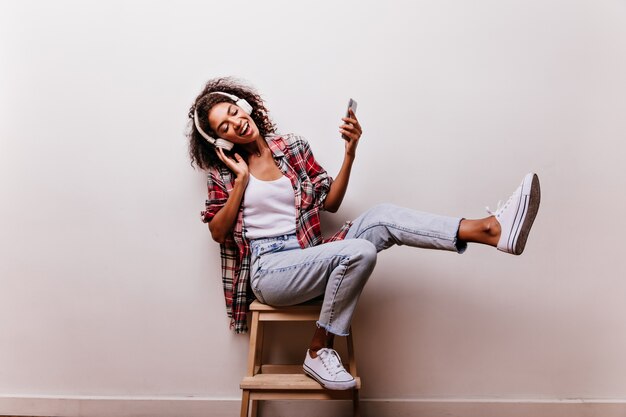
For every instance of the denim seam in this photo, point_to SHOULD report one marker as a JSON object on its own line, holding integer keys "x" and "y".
{"x": 337, "y": 286}
{"x": 394, "y": 226}
{"x": 294, "y": 266}
{"x": 259, "y": 296}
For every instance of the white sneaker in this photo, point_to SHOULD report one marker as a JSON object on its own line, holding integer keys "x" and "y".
{"x": 327, "y": 369}
{"x": 517, "y": 215}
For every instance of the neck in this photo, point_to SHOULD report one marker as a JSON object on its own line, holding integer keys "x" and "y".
{"x": 257, "y": 147}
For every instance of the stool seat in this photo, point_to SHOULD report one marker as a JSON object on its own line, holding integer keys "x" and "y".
{"x": 287, "y": 382}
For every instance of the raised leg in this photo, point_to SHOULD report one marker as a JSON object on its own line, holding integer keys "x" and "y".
{"x": 386, "y": 225}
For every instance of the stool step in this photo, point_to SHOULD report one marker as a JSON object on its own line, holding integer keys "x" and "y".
{"x": 271, "y": 368}
{"x": 284, "y": 382}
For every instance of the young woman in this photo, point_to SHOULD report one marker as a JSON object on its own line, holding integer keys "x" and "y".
{"x": 265, "y": 192}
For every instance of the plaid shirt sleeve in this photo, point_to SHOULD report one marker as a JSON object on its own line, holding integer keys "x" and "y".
{"x": 321, "y": 186}
{"x": 320, "y": 179}
{"x": 311, "y": 184}
{"x": 217, "y": 195}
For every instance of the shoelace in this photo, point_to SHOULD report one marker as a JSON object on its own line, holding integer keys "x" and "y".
{"x": 498, "y": 209}
{"x": 331, "y": 360}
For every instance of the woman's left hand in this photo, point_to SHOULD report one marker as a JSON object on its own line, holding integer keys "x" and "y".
{"x": 351, "y": 129}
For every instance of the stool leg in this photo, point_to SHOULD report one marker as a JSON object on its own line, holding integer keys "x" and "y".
{"x": 255, "y": 408}
{"x": 254, "y": 343}
{"x": 353, "y": 372}
{"x": 259, "y": 348}
{"x": 351, "y": 358}
{"x": 252, "y": 360}
{"x": 355, "y": 403}
{"x": 245, "y": 402}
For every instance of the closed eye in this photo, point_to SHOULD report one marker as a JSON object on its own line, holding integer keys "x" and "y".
{"x": 232, "y": 110}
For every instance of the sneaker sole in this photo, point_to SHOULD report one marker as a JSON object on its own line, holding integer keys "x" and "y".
{"x": 338, "y": 386}
{"x": 531, "y": 193}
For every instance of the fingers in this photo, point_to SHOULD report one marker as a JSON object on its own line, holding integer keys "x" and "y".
{"x": 224, "y": 158}
{"x": 221, "y": 155}
{"x": 351, "y": 129}
{"x": 352, "y": 136}
{"x": 230, "y": 163}
{"x": 236, "y": 164}
{"x": 351, "y": 123}
{"x": 351, "y": 118}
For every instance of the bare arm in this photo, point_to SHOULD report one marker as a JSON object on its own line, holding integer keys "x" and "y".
{"x": 225, "y": 218}
{"x": 352, "y": 130}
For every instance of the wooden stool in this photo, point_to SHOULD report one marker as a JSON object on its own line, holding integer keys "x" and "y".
{"x": 287, "y": 382}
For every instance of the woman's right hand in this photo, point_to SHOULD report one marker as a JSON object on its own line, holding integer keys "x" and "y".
{"x": 237, "y": 165}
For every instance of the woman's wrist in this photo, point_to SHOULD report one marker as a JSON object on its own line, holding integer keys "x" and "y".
{"x": 242, "y": 179}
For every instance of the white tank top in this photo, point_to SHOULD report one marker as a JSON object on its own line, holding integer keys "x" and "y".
{"x": 269, "y": 208}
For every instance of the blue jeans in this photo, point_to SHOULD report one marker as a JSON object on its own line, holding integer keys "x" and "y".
{"x": 284, "y": 274}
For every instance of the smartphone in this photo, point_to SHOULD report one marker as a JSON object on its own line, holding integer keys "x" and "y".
{"x": 351, "y": 105}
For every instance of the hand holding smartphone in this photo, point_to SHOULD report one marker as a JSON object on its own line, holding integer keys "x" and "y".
{"x": 351, "y": 105}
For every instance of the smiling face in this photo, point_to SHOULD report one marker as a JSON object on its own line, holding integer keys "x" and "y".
{"x": 230, "y": 122}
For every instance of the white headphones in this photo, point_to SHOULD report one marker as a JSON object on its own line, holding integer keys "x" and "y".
{"x": 222, "y": 143}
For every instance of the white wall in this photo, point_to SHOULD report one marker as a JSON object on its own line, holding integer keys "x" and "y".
{"x": 110, "y": 283}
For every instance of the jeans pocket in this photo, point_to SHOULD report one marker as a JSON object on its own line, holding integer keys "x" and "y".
{"x": 268, "y": 247}
{"x": 261, "y": 249}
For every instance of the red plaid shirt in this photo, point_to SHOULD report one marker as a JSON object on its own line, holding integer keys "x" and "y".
{"x": 310, "y": 184}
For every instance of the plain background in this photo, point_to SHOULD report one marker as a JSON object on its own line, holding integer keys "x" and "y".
{"x": 110, "y": 283}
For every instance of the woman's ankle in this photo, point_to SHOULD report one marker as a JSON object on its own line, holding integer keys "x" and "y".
{"x": 321, "y": 339}
{"x": 485, "y": 231}
{"x": 493, "y": 230}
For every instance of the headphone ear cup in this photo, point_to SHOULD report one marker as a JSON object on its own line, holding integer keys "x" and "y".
{"x": 245, "y": 106}
{"x": 224, "y": 144}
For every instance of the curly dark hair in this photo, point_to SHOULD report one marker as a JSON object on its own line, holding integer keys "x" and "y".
{"x": 203, "y": 153}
